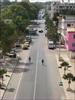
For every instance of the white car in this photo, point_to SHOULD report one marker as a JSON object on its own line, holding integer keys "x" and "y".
{"x": 51, "y": 45}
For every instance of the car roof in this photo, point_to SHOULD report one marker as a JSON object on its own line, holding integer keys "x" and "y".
{"x": 51, "y": 42}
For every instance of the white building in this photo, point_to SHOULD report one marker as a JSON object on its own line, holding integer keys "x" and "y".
{"x": 63, "y": 6}
{"x": 52, "y": 8}
{"x": 69, "y": 21}
{"x": 58, "y": 7}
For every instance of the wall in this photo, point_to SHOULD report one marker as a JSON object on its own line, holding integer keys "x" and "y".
{"x": 70, "y": 41}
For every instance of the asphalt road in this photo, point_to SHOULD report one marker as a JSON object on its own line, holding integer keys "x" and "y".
{"x": 39, "y": 82}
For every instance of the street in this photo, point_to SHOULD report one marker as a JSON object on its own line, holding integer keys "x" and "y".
{"x": 39, "y": 82}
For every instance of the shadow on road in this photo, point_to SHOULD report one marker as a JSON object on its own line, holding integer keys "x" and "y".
{"x": 72, "y": 91}
{"x": 19, "y": 70}
{"x": 28, "y": 64}
{"x": 10, "y": 89}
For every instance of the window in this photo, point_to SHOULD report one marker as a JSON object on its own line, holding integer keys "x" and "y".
{"x": 68, "y": 25}
{"x": 74, "y": 36}
{"x": 73, "y": 44}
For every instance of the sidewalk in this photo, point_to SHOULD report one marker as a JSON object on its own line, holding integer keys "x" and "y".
{"x": 7, "y": 78}
{"x": 23, "y": 54}
{"x": 70, "y": 95}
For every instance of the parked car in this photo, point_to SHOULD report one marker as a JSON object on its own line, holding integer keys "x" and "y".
{"x": 28, "y": 44}
{"x": 17, "y": 44}
{"x": 28, "y": 39}
{"x": 12, "y": 54}
{"x": 51, "y": 45}
{"x": 40, "y": 31}
{"x": 25, "y": 46}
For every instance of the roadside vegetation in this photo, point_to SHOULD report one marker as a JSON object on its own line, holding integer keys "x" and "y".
{"x": 52, "y": 26}
{"x": 14, "y": 19}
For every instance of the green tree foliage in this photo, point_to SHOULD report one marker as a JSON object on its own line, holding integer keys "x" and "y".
{"x": 65, "y": 65}
{"x": 7, "y": 36}
{"x": 69, "y": 77}
{"x": 55, "y": 18}
{"x": 20, "y": 14}
{"x": 51, "y": 30}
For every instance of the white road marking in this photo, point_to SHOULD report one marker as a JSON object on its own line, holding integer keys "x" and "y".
{"x": 36, "y": 76}
{"x": 18, "y": 86}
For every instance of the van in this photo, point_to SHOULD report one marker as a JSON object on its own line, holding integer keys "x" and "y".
{"x": 51, "y": 45}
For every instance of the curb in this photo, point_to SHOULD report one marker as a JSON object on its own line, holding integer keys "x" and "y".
{"x": 8, "y": 82}
{"x": 65, "y": 98}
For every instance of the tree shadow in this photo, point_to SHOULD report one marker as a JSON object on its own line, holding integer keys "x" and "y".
{"x": 32, "y": 43}
{"x": 71, "y": 90}
{"x": 20, "y": 63}
{"x": 10, "y": 89}
{"x": 19, "y": 70}
{"x": 28, "y": 64}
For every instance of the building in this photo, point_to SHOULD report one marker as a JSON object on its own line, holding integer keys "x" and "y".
{"x": 55, "y": 7}
{"x": 58, "y": 7}
{"x": 70, "y": 39}
{"x": 25, "y": 0}
{"x": 51, "y": 8}
{"x": 69, "y": 21}
{"x": 67, "y": 29}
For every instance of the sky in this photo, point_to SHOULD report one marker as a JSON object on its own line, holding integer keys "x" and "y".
{"x": 46, "y": 0}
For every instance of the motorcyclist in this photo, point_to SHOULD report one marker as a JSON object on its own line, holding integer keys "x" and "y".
{"x": 29, "y": 59}
{"x": 42, "y": 61}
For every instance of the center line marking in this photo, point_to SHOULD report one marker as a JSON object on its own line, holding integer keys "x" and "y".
{"x": 36, "y": 76}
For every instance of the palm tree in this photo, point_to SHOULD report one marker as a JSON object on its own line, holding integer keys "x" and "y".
{"x": 65, "y": 65}
{"x": 69, "y": 77}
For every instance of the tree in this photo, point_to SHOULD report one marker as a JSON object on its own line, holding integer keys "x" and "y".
{"x": 7, "y": 36}
{"x": 20, "y": 14}
{"x": 51, "y": 30}
{"x": 69, "y": 77}
{"x": 55, "y": 18}
{"x": 65, "y": 65}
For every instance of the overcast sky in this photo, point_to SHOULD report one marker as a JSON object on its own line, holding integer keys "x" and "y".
{"x": 46, "y": 0}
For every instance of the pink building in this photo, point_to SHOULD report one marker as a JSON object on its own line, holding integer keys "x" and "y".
{"x": 70, "y": 39}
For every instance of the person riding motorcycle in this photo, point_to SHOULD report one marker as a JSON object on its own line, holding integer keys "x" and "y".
{"x": 42, "y": 61}
{"x": 29, "y": 59}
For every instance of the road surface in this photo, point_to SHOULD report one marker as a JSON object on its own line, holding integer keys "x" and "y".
{"x": 40, "y": 82}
